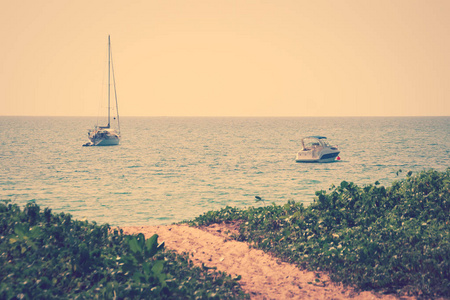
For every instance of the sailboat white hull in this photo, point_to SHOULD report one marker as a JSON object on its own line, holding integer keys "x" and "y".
{"x": 104, "y": 137}
{"x": 108, "y": 142}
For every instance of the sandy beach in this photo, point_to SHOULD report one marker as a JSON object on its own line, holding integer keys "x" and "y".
{"x": 263, "y": 276}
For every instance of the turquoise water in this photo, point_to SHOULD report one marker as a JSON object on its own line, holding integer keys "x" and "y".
{"x": 169, "y": 169}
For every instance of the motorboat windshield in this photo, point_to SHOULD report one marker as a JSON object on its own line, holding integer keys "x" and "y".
{"x": 314, "y": 141}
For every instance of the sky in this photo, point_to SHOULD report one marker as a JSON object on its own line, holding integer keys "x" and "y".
{"x": 226, "y": 58}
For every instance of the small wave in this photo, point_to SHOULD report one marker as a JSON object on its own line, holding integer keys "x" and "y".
{"x": 312, "y": 181}
{"x": 164, "y": 182}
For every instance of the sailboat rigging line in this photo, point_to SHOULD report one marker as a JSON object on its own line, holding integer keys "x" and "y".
{"x": 109, "y": 84}
{"x": 115, "y": 92}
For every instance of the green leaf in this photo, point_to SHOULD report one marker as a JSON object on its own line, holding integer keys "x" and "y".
{"x": 158, "y": 267}
{"x": 21, "y": 230}
{"x": 134, "y": 245}
{"x": 161, "y": 246}
{"x": 344, "y": 184}
{"x": 141, "y": 240}
{"x": 151, "y": 246}
{"x": 35, "y": 232}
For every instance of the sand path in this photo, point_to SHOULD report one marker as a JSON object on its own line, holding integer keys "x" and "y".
{"x": 263, "y": 276}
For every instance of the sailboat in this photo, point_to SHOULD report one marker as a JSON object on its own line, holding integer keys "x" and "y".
{"x": 106, "y": 135}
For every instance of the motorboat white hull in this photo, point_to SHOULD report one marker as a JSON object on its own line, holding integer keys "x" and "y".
{"x": 309, "y": 157}
{"x": 315, "y": 149}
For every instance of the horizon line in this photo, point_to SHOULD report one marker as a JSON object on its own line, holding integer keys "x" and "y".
{"x": 230, "y": 116}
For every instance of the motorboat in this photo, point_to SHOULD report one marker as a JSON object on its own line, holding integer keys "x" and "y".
{"x": 317, "y": 149}
{"x": 107, "y": 135}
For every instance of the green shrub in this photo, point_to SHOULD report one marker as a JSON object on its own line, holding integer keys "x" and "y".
{"x": 394, "y": 239}
{"x": 52, "y": 256}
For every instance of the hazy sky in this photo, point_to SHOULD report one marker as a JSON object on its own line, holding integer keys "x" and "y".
{"x": 226, "y": 58}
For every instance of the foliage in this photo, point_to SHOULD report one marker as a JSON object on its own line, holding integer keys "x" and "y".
{"x": 51, "y": 256}
{"x": 394, "y": 239}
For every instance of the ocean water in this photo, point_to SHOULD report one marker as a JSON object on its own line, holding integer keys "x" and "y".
{"x": 169, "y": 169}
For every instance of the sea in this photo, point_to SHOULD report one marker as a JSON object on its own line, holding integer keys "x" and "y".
{"x": 170, "y": 169}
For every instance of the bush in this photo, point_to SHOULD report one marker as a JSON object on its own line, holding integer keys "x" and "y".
{"x": 394, "y": 239}
{"x": 52, "y": 256}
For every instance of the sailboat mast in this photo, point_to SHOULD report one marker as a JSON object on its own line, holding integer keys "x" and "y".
{"x": 109, "y": 79}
